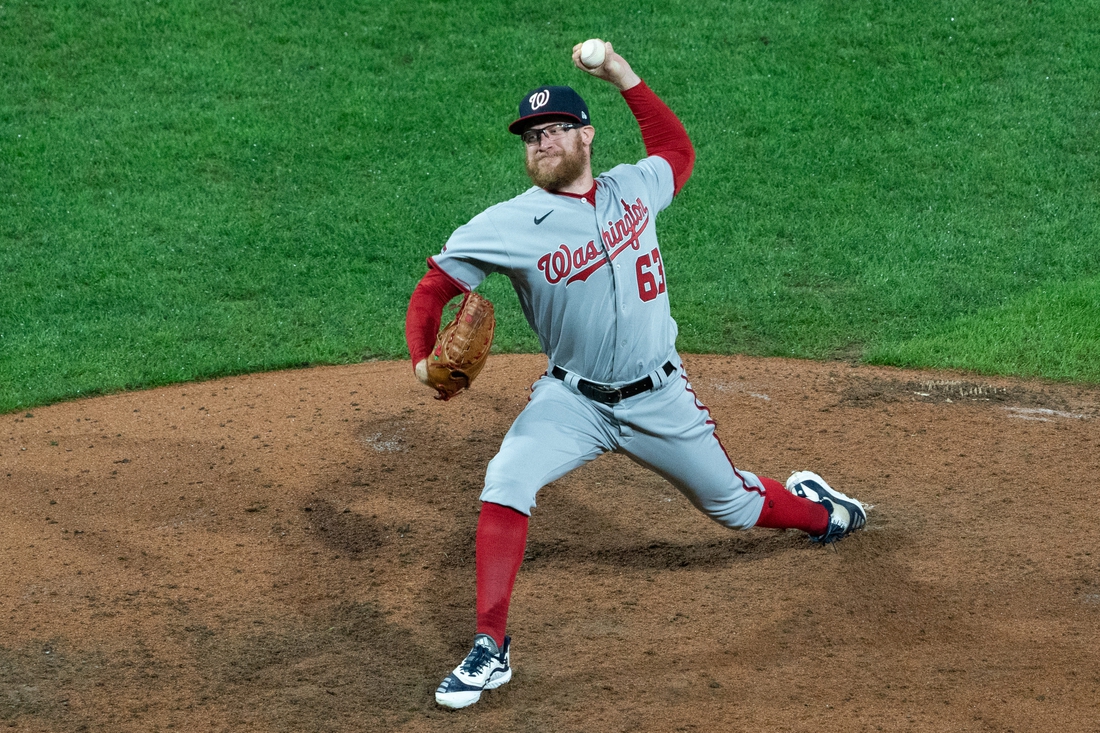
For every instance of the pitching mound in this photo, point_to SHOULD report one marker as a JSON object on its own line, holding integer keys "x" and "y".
{"x": 294, "y": 552}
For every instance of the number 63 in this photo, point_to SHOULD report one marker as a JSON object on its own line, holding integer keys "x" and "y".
{"x": 650, "y": 285}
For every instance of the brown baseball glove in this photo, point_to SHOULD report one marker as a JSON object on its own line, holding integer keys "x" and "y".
{"x": 462, "y": 348}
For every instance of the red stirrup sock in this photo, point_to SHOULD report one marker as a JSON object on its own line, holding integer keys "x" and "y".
{"x": 784, "y": 510}
{"x": 501, "y": 540}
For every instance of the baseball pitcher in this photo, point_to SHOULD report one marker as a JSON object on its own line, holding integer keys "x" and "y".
{"x": 583, "y": 255}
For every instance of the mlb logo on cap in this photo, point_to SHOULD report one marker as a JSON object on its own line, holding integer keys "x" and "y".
{"x": 550, "y": 102}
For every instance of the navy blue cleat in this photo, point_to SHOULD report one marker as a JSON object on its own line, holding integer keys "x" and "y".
{"x": 486, "y": 667}
{"x": 846, "y": 515}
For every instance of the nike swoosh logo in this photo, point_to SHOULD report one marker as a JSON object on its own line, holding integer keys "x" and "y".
{"x": 539, "y": 220}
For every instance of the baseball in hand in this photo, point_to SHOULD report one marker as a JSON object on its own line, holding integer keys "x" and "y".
{"x": 592, "y": 53}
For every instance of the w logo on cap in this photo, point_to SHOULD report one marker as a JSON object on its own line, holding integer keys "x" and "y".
{"x": 548, "y": 101}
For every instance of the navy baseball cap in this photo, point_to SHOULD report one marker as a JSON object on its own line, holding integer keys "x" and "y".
{"x": 549, "y": 102}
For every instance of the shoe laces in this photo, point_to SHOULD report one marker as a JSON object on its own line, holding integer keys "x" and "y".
{"x": 836, "y": 528}
{"x": 476, "y": 660}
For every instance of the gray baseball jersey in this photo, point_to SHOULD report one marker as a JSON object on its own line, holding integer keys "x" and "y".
{"x": 591, "y": 283}
{"x": 590, "y": 279}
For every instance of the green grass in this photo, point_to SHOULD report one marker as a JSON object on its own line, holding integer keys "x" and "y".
{"x": 191, "y": 189}
{"x": 1051, "y": 331}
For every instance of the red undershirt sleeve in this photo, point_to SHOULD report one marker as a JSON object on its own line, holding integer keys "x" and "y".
{"x": 425, "y": 312}
{"x": 662, "y": 132}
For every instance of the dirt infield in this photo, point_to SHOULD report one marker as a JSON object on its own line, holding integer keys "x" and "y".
{"x": 294, "y": 552}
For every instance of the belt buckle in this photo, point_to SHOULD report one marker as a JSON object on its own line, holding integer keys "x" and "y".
{"x": 605, "y": 395}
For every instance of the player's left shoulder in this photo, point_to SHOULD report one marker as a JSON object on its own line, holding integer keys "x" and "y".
{"x": 505, "y": 215}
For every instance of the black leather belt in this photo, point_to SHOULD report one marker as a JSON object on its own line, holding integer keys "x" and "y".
{"x": 609, "y": 395}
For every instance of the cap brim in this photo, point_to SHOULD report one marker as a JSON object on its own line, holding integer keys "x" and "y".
{"x": 520, "y": 126}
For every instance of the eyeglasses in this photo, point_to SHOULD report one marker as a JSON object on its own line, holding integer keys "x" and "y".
{"x": 553, "y": 132}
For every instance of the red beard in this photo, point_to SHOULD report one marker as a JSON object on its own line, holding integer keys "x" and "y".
{"x": 556, "y": 170}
